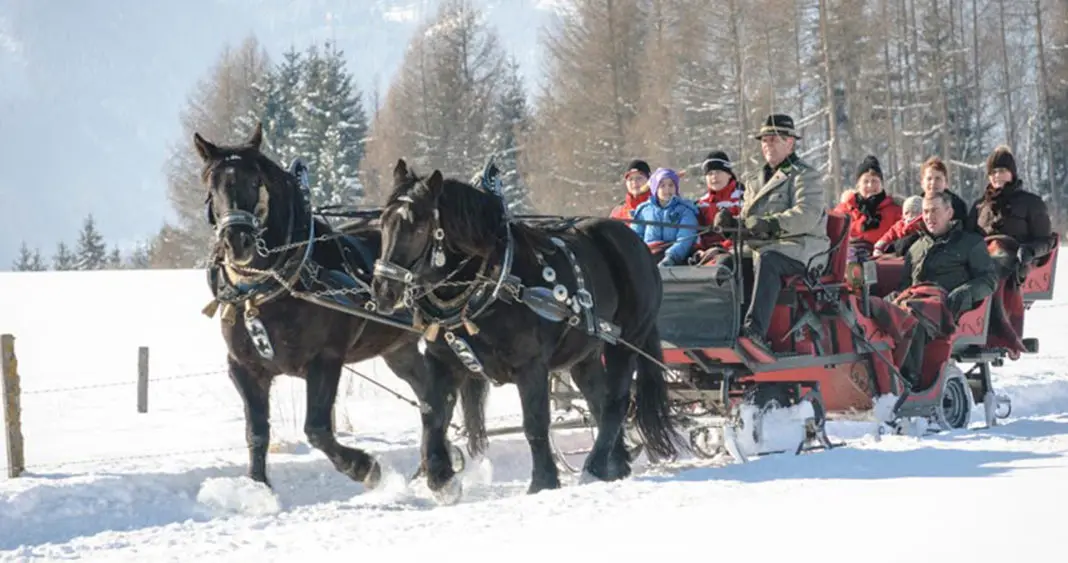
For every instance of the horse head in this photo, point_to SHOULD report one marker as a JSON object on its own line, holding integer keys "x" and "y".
{"x": 412, "y": 237}
{"x": 244, "y": 189}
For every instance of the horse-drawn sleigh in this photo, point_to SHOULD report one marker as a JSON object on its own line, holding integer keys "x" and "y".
{"x": 455, "y": 294}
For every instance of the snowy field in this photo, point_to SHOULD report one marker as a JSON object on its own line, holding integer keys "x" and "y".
{"x": 106, "y": 483}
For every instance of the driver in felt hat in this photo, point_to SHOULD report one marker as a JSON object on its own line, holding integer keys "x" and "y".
{"x": 785, "y": 213}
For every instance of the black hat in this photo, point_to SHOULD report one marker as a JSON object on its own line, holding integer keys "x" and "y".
{"x": 869, "y": 164}
{"x": 717, "y": 160}
{"x": 778, "y": 124}
{"x": 639, "y": 166}
{"x": 1001, "y": 158}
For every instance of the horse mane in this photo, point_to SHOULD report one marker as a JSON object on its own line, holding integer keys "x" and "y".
{"x": 474, "y": 219}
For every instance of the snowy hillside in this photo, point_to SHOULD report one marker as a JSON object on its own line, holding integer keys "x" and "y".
{"x": 106, "y": 483}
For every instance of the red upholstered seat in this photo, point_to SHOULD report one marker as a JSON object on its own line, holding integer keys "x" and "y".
{"x": 838, "y": 232}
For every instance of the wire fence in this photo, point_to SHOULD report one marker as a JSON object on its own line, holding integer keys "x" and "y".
{"x": 192, "y": 415}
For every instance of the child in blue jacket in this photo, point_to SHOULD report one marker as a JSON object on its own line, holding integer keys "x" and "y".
{"x": 667, "y": 207}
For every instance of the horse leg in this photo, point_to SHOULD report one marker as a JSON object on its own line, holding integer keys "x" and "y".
{"x": 255, "y": 394}
{"x": 438, "y": 403}
{"x": 604, "y": 459}
{"x": 617, "y": 376}
{"x": 322, "y": 377}
{"x": 410, "y": 367}
{"x": 533, "y": 383}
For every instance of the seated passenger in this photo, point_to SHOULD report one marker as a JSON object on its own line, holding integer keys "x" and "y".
{"x": 783, "y": 211}
{"x": 724, "y": 195}
{"x": 1007, "y": 209}
{"x": 667, "y": 207}
{"x": 636, "y": 182}
{"x": 953, "y": 261}
{"x": 871, "y": 210}
{"x": 934, "y": 177}
{"x": 911, "y": 210}
{"x": 1023, "y": 223}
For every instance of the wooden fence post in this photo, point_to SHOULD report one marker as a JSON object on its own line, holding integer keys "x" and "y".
{"x": 142, "y": 379}
{"x": 16, "y": 453}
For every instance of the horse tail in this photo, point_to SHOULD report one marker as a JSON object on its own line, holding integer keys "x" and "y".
{"x": 473, "y": 394}
{"x": 640, "y": 289}
{"x": 652, "y": 403}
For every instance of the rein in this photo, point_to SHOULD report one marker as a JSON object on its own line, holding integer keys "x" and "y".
{"x": 454, "y": 312}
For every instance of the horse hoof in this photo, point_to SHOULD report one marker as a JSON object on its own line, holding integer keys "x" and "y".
{"x": 374, "y": 476}
{"x": 586, "y": 478}
{"x": 450, "y": 493}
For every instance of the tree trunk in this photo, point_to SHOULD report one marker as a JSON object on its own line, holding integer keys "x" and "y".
{"x": 1047, "y": 121}
{"x": 889, "y": 97}
{"x": 1010, "y": 120}
{"x": 832, "y": 113}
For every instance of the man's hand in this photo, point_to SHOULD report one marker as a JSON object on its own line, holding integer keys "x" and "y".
{"x": 959, "y": 300}
{"x": 761, "y": 226}
{"x": 1025, "y": 255}
{"x": 724, "y": 220}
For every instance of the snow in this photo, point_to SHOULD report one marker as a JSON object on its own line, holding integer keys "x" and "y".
{"x": 105, "y": 482}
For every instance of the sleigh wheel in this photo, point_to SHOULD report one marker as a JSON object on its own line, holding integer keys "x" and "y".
{"x": 955, "y": 408}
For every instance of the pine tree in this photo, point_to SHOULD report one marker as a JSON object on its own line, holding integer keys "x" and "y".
{"x": 114, "y": 260}
{"x": 276, "y": 96}
{"x": 330, "y": 126}
{"x": 140, "y": 258}
{"x": 36, "y": 262}
{"x": 64, "y": 259}
{"x": 24, "y": 262}
{"x": 510, "y": 121}
{"x": 91, "y": 252}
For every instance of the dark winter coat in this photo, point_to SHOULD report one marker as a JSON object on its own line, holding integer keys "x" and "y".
{"x": 958, "y": 261}
{"x": 1014, "y": 212}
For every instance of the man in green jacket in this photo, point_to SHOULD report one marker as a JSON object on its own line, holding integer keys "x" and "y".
{"x": 954, "y": 259}
{"x": 785, "y": 213}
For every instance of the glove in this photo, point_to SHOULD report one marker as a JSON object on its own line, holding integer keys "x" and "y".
{"x": 959, "y": 300}
{"x": 761, "y": 226}
{"x": 1025, "y": 254}
{"x": 724, "y": 220}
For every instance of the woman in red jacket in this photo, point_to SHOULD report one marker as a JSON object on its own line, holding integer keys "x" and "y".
{"x": 872, "y": 210}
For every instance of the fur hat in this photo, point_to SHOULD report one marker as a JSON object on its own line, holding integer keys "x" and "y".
{"x": 1001, "y": 158}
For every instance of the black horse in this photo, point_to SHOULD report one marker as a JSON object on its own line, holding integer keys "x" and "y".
{"x": 474, "y": 278}
{"x": 270, "y": 249}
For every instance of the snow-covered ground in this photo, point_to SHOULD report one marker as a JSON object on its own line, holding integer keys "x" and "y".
{"x": 104, "y": 482}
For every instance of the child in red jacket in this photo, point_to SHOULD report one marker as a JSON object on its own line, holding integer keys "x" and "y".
{"x": 636, "y": 181}
{"x": 724, "y": 195}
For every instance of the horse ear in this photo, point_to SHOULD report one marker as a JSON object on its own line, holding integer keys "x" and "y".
{"x": 205, "y": 149}
{"x": 400, "y": 171}
{"x": 257, "y": 136}
{"x": 435, "y": 183}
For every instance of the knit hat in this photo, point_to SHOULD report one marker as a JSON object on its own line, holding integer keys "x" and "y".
{"x": 717, "y": 160}
{"x": 660, "y": 174}
{"x": 637, "y": 165}
{"x": 1001, "y": 158}
{"x": 913, "y": 206}
{"x": 869, "y": 164}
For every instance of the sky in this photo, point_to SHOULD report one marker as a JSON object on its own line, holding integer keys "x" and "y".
{"x": 91, "y": 93}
